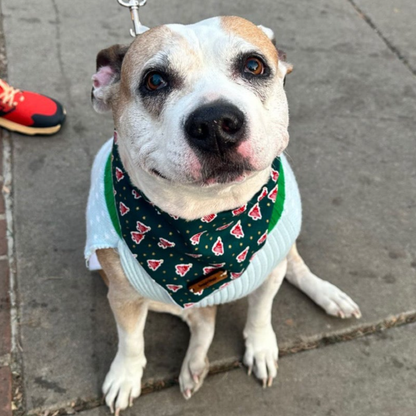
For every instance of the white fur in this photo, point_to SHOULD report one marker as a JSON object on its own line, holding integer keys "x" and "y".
{"x": 195, "y": 366}
{"x": 123, "y": 382}
{"x": 147, "y": 143}
{"x": 333, "y": 300}
{"x": 269, "y": 32}
{"x": 261, "y": 345}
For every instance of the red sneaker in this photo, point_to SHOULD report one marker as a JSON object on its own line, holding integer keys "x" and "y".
{"x": 28, "y": 112}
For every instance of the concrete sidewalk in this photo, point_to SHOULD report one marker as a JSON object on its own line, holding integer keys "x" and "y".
{"x": 375, "y": 375}
{"x": 352, "y": 97}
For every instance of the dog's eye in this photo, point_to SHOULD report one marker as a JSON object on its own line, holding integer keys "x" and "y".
{"x": 254, "y": 66}
{"x": 155, "y": 81}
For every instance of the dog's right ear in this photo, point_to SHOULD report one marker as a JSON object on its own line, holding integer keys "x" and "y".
{"x": 284, "y": 66}
{"x": 107, "y": 78}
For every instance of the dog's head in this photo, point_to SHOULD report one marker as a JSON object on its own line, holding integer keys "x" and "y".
{"x": 196, "y": 105}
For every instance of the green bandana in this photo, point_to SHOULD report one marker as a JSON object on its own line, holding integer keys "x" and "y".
{"x": 191, "y": 259}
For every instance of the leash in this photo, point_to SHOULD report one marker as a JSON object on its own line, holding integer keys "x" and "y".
{"x": 134, "y": 5}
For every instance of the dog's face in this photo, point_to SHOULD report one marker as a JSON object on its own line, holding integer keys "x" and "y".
{"x": 196, "y": 105}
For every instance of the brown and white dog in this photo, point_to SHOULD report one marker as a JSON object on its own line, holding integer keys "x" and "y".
{"x": 152, "y": 86}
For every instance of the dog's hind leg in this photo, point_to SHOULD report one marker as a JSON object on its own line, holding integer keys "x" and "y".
{"x": 195, "y": 366}
{"x": 261, "y": 346}
{"x": 123, "y": 382}
{"x": 333, "y": 300}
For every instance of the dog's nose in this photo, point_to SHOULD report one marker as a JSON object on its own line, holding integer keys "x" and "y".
{"x": 215, "y": 127}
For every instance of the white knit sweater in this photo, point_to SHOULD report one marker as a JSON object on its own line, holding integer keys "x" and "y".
{"x": 101, "y": 234}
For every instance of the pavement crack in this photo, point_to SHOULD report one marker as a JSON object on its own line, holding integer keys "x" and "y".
{"x": 389, "y": 44}
{"x": 349, "y": 334}
{"x": 59, "y": 54}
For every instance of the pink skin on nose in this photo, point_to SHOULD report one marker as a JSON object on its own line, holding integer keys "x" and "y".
{"x": 102, "y": 77}
{"x": 246, "y": 151}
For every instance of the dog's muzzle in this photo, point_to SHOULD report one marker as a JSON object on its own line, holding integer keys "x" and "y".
{"x": 215, "y": 127}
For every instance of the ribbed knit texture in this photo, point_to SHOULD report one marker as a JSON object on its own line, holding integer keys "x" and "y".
{"x": 101, "y": 234}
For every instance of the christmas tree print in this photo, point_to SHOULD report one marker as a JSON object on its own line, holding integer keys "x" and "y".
{"x": 239, "y": 211}
{"x": 237, "y": 230}
{"x": 124, "y": 209}
{"x": 119, "y": 174}
{"x": 154, "y": 264}
{"x": 275, "y": 175}
{"x": 196, "y": 238}
{"x": 182, "y": 269}
{"x": 174, "y": 288}
{"x": 255, "y": 212}
{"x": 273, "y": 194}
{"x": 142, "y": 228}
{"x": 163, "y": 243}
{"x": 218, "y": 247}
{"x": 262, "y": 239}
{"x": 209, "y": 218}
{"x": 242, "y": 256}
{"x": 263, "y": 193}
{"x": 137, "y": 237}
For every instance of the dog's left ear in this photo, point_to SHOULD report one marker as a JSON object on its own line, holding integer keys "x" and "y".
{"x": 284, "y": 66}
{"x": 107, "y": 78}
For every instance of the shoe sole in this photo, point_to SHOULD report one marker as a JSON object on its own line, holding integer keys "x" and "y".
{"x": 30, "y": 131}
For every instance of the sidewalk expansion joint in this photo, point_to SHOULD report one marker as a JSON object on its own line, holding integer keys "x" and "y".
{"x": 81, "y": 405}
{"x": 389, "y": 44}
{"x": 14, "y": 359}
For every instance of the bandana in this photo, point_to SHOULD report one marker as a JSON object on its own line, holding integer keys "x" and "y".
{"x": 191, "y": 259}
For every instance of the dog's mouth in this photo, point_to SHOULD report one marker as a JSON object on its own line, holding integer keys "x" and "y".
{"x": 215, "y": 171}
{"x": 225, "y": 171}
{"x": 158, "y": 174}
{"x": 219, "y": 176}
{"x": 225, "y": 176}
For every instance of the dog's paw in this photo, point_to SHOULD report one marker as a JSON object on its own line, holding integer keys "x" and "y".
{"x": 195, "y": 368}
{"x": 123, "y": 382}
{"x": 261, "y": 354}
{"x": 335, "y": 302}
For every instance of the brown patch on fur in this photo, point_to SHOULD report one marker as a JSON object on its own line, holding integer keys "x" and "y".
{"x": 112, "y": 269}
{"x": 282, "y": 58}
{"x": 103, "y": 276}
{"x": 251, "y": 33}
{"x": 144, "y": 47}
{"x": 125, "y": 302}
{"x": 112, "y": 56}
{"x": 151, "y": 43}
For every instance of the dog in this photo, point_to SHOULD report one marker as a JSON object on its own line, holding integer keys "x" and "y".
{"x": 192, "y": 202}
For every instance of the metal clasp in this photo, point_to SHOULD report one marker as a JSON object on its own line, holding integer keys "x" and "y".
{"x": 134, "y": 6}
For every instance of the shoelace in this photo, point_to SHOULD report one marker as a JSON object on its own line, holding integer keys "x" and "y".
{"x": 8, "y": 94}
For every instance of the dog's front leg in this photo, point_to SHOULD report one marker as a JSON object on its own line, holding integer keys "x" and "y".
{"x": 261, "y": 346}
{"x": 333, "y": 300}
{"x": 195, "y": 366}
{"x": 123, "y": 382}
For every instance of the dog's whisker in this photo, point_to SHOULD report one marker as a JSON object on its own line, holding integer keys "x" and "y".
{"x": 286, "y": 153}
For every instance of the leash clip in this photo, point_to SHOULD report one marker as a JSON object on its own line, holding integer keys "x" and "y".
{"x": 134, "y": 6}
